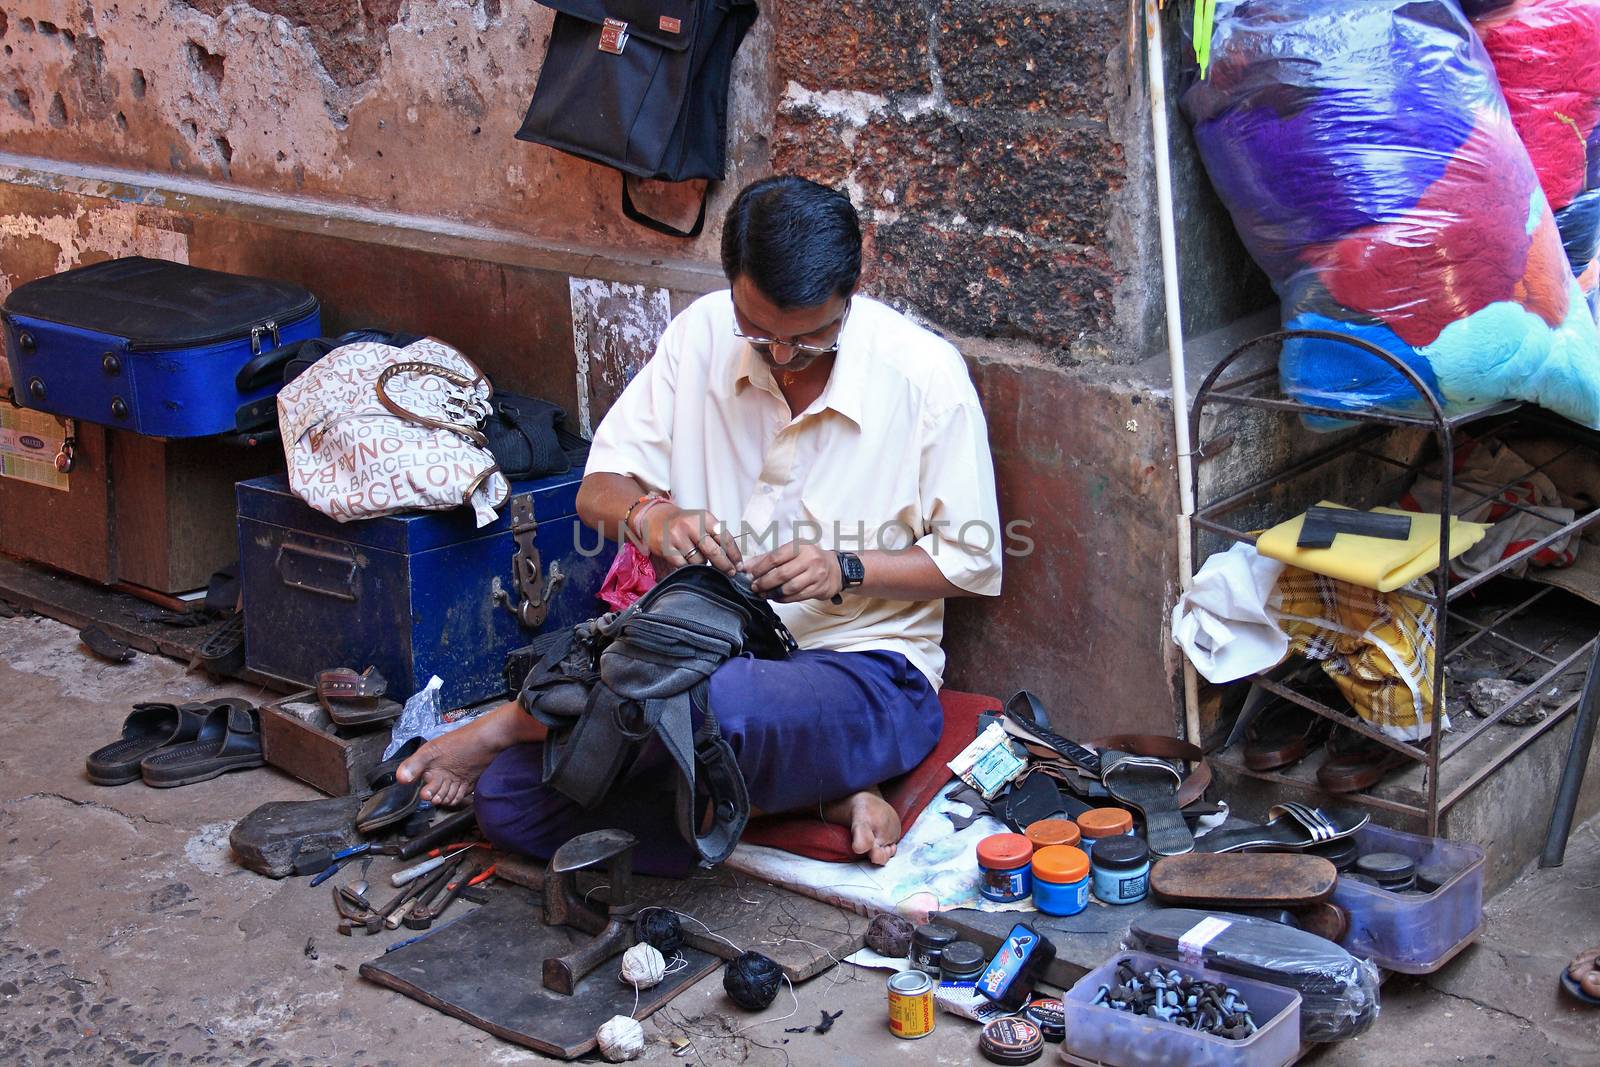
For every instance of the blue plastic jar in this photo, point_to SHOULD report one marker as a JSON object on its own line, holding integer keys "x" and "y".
{"x": 1003, "y": 874}
{"x": 1121, "y": 870}
{"x": 1060, "y": 880}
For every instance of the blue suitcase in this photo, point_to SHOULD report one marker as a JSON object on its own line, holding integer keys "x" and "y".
{"x": 414, "y": 594}
{"x": 162, "y": 349}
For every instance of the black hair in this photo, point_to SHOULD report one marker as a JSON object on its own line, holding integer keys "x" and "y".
{"x": 796, "y": 241}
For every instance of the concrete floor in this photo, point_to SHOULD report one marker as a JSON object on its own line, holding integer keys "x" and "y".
{"x": 128, "y": 935}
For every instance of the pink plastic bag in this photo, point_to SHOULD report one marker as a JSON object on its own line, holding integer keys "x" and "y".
{"x": 631, "y": 576}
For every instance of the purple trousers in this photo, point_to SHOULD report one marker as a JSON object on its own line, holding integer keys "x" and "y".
{"x": 807, "y": 730}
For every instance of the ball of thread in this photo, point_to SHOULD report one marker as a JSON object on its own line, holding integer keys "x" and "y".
{"x": 620, "y": 1038}
{"x": 752, "y": 980}
{"x": 659, "y": 927}
{"x": 643, "y": 966}
{"x": 890, "y": 935}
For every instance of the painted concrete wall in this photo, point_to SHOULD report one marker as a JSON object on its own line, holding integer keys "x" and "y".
{"x": 998, "y": 151}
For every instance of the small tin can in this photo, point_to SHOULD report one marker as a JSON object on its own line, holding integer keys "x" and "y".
{"x": 1047, "y": 832}
{"x": 1060, "y": 880}
{"x": 1011, "y": 1040}
{"x": 927, "y": 946}
{"x": 1049, "y": 1016}
{"x": 962, "y": 961}
{"x": 910, "y": 1005}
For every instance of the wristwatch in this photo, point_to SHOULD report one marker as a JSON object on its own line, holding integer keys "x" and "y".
{"x": 852, "y": 571}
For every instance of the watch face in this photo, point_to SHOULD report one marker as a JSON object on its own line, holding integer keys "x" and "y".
{"x": 851, "y": 567}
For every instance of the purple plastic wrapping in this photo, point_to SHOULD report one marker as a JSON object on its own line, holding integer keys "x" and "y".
{"x": 1371, "y": 167}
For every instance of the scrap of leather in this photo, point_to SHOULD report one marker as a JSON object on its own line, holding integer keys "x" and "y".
{"x": 102, "y": 644}
{"x": 1243, "y": 879}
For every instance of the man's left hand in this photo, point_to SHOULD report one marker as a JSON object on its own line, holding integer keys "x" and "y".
{"x": 797, "y": 571}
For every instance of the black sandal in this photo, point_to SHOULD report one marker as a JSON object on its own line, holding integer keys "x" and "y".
{"x": 148, "y": 728}
{"x": 230, "y": 740}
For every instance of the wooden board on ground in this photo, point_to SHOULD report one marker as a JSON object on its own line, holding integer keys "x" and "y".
{"x": 485, "y": 969}
{"x": 803, "y": 936}
{"x": 1083, "y": 941}
{"x": 78, "y": 603}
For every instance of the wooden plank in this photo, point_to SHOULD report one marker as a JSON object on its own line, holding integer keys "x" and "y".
{"x": 802, "y": 935}
{"x": 78, "y": 603}
{"x": 484, "y": 970}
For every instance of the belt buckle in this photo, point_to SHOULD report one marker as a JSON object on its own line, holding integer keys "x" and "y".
{"x": 613, "y": 36}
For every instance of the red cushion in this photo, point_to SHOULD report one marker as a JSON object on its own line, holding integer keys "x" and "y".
{"x": 806, "y": 835}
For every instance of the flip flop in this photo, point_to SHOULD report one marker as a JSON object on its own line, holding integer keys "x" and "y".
{"x": 352, "y": 699}
{"x": 1151, "y": 786}
{"x": 394, "y": 801}
{"x": 229, "y": 740}
{"x": 1291, "y": 827}
{"x": 147, "y": 728}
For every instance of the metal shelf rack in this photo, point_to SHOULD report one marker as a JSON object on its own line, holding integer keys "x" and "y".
{"x": 1257, "y": 388}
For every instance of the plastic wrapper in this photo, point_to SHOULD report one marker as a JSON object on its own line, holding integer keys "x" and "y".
{"x": 1371, "y": 167}
{"x": 1338, "y": 992}
{"x": 1547, "y": 56}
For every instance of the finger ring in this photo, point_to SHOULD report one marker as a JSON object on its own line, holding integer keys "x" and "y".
{"x": 691, "y": 554}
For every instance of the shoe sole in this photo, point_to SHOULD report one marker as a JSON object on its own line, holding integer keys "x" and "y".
{"x": 204, "y": 776}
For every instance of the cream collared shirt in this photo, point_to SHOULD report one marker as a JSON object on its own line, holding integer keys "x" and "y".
{"x": 894, "y": 452}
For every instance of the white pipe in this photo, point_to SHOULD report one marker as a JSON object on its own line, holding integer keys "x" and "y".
{"x": 1157, "y": 82}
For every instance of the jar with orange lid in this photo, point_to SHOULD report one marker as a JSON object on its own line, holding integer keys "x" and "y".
{"x": 1047, "y": 832}
{"x": 1003, "y": 874}
{"x": 1097, "y": 823}
{"x": 1060, "y": 880}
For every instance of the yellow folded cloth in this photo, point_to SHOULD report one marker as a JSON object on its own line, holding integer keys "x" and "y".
{"x": 1372, "y": 562}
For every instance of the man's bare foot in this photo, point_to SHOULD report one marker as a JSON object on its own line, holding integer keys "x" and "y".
{"x": 450, "y": 764}
{"x": 874, "y": 826}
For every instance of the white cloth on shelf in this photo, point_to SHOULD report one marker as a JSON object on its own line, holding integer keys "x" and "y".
{"x": 1225, "y": 622}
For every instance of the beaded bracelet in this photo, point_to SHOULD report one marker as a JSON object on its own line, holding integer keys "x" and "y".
{"x": 641, "y": 505}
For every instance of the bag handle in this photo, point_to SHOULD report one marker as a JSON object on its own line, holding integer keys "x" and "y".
{"x": 471, "y": 432}
{"x": 657, "y": 225}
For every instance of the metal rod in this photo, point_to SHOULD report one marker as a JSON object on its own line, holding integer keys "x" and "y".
{"x": 1502, "y": 617}
{"x": 1497, "y": 490}
{"x": 1355, "y": 723}
{"x": 1511, "y": 561}
{"x": 1234, "y": 500}
{"x": 1555, "y": 840}
{"x": 1366, "y": 800}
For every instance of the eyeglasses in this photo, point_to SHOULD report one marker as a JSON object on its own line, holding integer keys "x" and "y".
{"x": 794, "y": 346}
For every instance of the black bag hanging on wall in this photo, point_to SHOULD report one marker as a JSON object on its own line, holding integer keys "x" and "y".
{"x": 642, "y": 86}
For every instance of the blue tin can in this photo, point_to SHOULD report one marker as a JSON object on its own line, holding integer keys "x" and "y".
{"x": 1060, "y": 880}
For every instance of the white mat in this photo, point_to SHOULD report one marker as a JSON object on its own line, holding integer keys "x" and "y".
{"x": 936, "y": 868}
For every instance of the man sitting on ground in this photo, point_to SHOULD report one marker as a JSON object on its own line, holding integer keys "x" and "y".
{"x": 781, "y": 424}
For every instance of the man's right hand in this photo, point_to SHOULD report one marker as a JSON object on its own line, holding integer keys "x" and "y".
{"x": 681, "y": 536}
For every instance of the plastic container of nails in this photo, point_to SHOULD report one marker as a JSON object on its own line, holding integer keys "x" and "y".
{"x": 1108, "y": 1037}
{"x": 1414, "y": 933}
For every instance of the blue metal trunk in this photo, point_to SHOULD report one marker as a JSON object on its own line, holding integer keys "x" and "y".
{"x": 415, "y": 595}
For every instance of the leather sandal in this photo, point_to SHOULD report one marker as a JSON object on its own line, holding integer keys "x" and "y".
{"x": 392, "y": 801}
{"x": 1356, "y": 762}
{"x": 229, "y": 740}
{"x": 353, "y": 699}
{"x": 147, "y": 728}
{"x": 1149, "y": 785}
{"x": 1282, "y": 736}
{"x": 1291, "y": 827}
